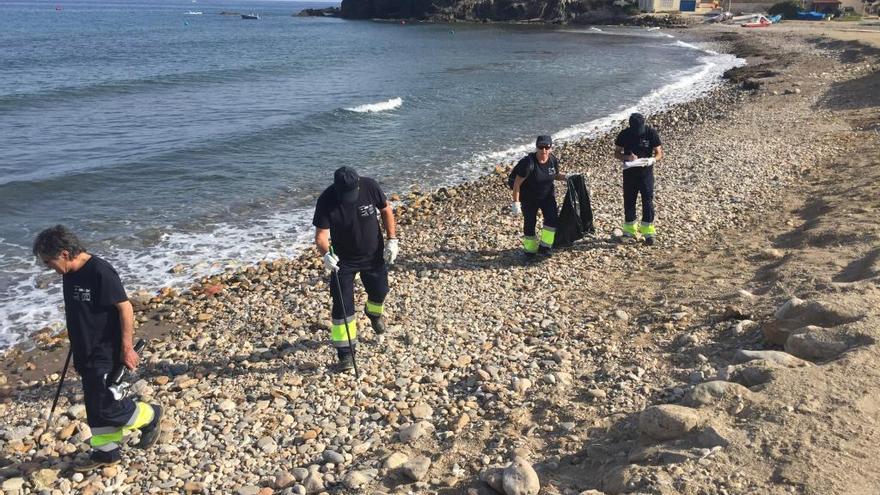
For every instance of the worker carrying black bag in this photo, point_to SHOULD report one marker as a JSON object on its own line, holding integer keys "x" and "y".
{"x": 576, "y": 218}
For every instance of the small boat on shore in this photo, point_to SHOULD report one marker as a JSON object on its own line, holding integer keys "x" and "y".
{"x": 760, "y": 22}
{"x": 250, "y": 16}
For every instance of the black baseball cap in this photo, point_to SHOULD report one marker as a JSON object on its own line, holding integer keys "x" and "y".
{"x": 544, "y": 140}
{"x": 637, "y": 122}
{"x": 345, "y": 183}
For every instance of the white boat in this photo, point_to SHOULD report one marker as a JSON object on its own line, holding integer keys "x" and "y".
{"x": 194, "y": 12}
{"x": 745, "y": 18}
{"x": 250, "y": 16}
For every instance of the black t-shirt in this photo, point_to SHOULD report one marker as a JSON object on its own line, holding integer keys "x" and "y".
{"x": 90, "y": 297}
{"x": 641, "y": 145}
{"x": 354, "y": 227}
{"x": 539, "y": 182}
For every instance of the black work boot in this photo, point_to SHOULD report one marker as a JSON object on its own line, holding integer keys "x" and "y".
{"x": 98, "y": 459}
{"x": 545, "y": 251}
{"x": 649, "y": 241}
{"x": 150, "y": 431}
{"x": 377, "y": 322}
{"x": 345, "y": 362}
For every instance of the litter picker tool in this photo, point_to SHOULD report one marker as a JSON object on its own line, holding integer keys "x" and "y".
{"x": 58, "y": 392}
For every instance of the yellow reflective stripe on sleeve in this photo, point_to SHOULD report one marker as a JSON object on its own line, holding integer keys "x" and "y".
{"x": 530, "y": 244}
{"x": 374, "y": 308}
{"x": 548, "y": 236}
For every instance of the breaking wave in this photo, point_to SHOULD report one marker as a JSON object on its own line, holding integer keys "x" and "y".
{"x": 382, "y": 106}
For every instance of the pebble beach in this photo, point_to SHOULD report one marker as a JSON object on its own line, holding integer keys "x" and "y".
{"x": 611, "y": 367}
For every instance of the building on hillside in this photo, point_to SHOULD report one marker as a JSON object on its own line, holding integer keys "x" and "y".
{"x": 659, "y": 5}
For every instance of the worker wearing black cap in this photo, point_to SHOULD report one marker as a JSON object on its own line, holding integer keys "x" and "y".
{"x": 532, "y": 191}
{"x": 638, "y": 147}
{"x": 349, "y": 238}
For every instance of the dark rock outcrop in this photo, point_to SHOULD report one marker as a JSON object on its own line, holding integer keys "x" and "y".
{"x": 559, "y": 11}
{"x": 328, "y": 12}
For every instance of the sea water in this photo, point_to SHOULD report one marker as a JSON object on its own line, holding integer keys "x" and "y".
{"x": 167, "y": 139}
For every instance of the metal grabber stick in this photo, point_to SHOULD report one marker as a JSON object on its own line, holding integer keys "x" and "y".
{"x": 58, "y": 392}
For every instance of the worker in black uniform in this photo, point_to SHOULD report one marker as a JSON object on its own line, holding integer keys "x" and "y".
{"x": 533, "y": 190}
{"x": 349, "y": 238}
{"x": 639, "y": 148}
{"x": 100, "y": 327}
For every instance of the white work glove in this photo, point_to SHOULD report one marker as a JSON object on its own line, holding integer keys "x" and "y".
{"x": 331, "y": 262}
{"x": 391, "y": 249}
{"x": 516, "y": 209}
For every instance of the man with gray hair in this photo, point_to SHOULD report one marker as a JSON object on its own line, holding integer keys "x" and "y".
{"x": 100, "y": 327}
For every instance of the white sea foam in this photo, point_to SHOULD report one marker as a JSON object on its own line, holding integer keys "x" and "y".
{"x": 36, "y": 292}
{"x": 685, "y": 44}
{"x": 686, "y": 86}
{"x": 382, "y": 106}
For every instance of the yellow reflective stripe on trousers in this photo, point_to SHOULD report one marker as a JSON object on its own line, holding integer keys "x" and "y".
{"x": 374, "y": 309}
{"x": 548, "y": 235}
{"x": 339, "y": 336}
{"x": 647, "y": 229}
{"x": 629, "y": 228}
{"x": 530, "y": 244}
{"x": 141, "y": 417}
{"x": 107, "y": 438}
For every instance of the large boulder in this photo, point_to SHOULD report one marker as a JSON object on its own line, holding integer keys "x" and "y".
{"x": 778, "y": 357}
{"x": 416, "y": 468}
{"x": 519, "y": 478}
{"x": 708, "y": 393}
{"x": 668, "y": 421}
{"x": 797, "y": 313}
{"x": 816, "y": 344}
{"x": 494, "y": 477}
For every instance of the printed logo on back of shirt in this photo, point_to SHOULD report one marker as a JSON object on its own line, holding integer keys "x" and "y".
{"x": 366, "y": 211}
{"x": 644, "y": 143}
{"x": 82, "y": 294}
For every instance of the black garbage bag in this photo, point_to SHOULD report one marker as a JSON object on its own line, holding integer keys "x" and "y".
{"x": 576, "y": 218}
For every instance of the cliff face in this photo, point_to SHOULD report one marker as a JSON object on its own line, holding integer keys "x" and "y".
{"x": 477, "y": 10}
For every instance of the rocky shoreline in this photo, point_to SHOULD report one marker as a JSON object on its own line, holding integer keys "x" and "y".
{"x": 613, "y": 367}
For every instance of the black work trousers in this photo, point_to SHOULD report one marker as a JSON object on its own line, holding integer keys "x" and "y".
{"x": 530, "y": 207}
{"x": 375, "y": 279}
{"x": 638, "y": 180}
{"x": 102, "y": 409}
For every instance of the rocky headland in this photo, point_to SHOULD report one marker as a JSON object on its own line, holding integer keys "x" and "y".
{"x": 737, "y": 356}
{"x": 555, "y": 11}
